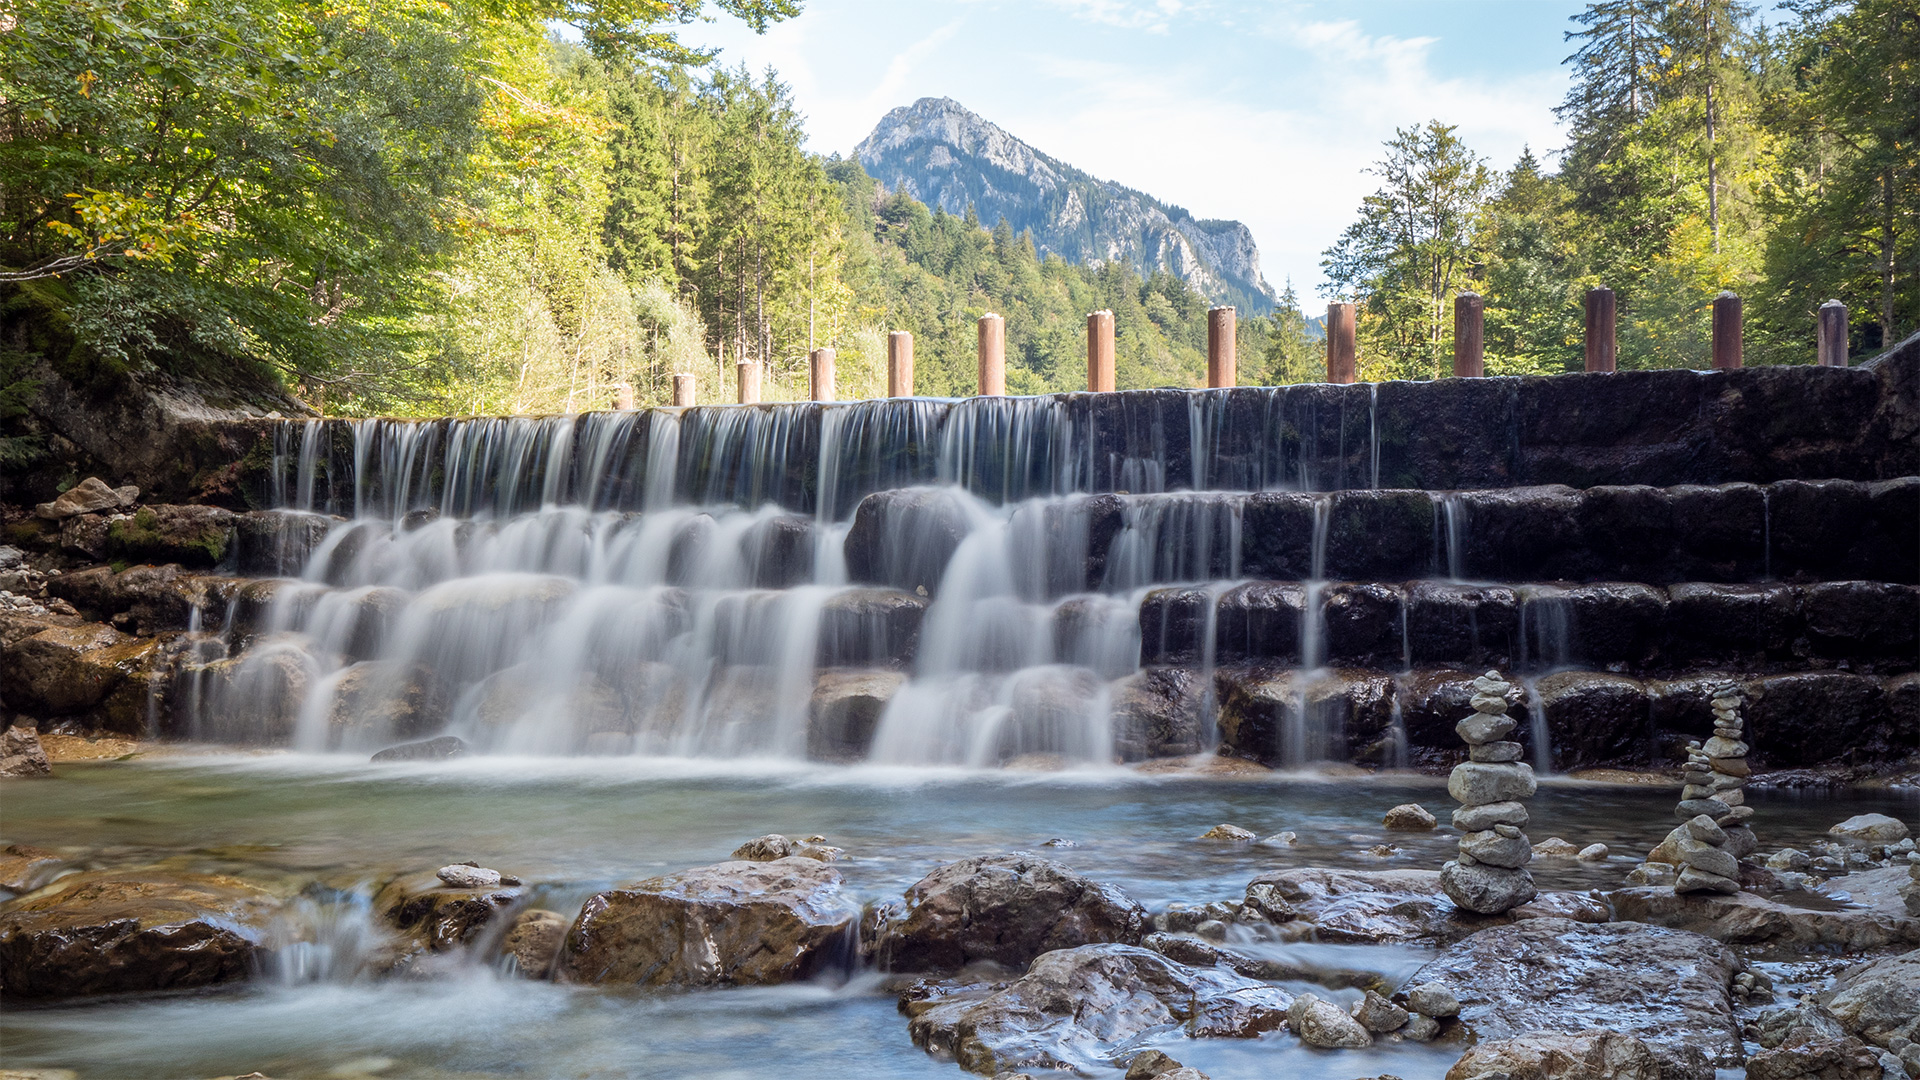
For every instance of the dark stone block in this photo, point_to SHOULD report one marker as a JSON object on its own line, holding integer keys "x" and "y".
{"x": 1821, "y": 716}
{"x": 1629, "y": 533}
{"x": 1595, "y": 719}
{"x": 1472, "y": 624}
{"x": 1721, "y": 533}
{"x": 1520, "y": 534}
{"x": 1363, "y": 623}
{"x": 779, "y": 552}
{"x": 1276, "y": 535}
{"x": 905, "y": 538}
{"x": 1862, "y": 620}
{"x": 1172, "y": 622}
{"x": 1380, "y": 535}
{"x": 1712, "y": 623}
{"x": 1260, "y": 621}
{"x": 1812, "y": 525}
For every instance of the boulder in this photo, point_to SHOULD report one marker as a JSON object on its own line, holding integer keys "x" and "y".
{"x": 846, "y": 710}
{"x": 1475, "y": 784}
{"x": 64, "y": 670}
{"x": 869, "y": 627}
{"x": 1087, "y": 1008}
{"x": 1871, "y": 829}
{"x": 1819, "y": 1059}
{"x": 1487, "y": 889}
{"x": 1433, "y": 999}
{"x": 904, "y": 538}
{"x": 1880, "y": 1001}
{"x": 89, "y": 496}
{"x": 1410, "y": 816}
{"x": 1595, "y": 1054}
{"x": 533, "y": 941}
{"x": 377, "y": 701}
{"x": 434, "y": 915}
{"x": 1669, "y": 988}
{"x": 732, "y": 923}
{"x": 116, "y": 933}
{"x": 774, "y": 846}
{"x": 20, "y": 753}
{"x": 1379, "y": 1015}
{"x": 1006, "y": 909}
{"x": 1156, "y": 713}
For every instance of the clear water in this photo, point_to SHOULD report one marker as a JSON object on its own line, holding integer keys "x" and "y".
{"x": 570, "y": 826}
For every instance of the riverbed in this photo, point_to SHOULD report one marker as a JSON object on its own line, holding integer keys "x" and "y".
{"x": 327, "y": 830}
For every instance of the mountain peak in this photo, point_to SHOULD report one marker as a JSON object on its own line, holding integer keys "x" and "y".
{"x": 946, "y": 155}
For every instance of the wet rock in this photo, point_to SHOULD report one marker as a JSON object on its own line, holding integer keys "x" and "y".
{"x": 1255, "y": 622}
{"x": 114, "y": 933}
{"x": 905, "y": 537}
{"x": 1475, "y": 784}
{"x": 1595, "y": 1054}
{"x": 24, "y": 867}
{"x": 1363, "y": 622}
{"x": 440, "y": 748}
{"x": 1079, "y": 1008}
{"x": 1880, "y": 1001}
{"x": 86, "y": 535}
{"x": 779, "y": 551}
{"x": 1555, "y": 848}
{"x": 1156, "y": 713}
{"x": 1326, "y": 1025}
{"x": 1365, "y": 906}
{"x": 733, "y": 923}
{"x": 1853, "y": 711}
{"x": 1410, "y": 816}
{"x": 1151, "y": 1063}
{"x": 1006, "y": 909}
{"x": 869, "y": 627}
{"x": 1714, "y": 623}
{"x": 377, "y": 701}
{"x": 1820, "y": 1059}
{"x": 148, "y": 599}
{"x": 511, "y": 702}
{"x": 256, "y": 698}
{"x": 1595, "y": 718}
{"x": 845, "y": 711}
{"x": 20, "y": 753}
{"x": 534, "y": 940}
{"x": 1669, "y": 988}
{"x": 89, "y": 496}
{"x": 1379, "y": 1015}
{"x": 1872, "y": 829}
{"x": 1343, "y": 708}
{"x": 1743, "y": 918}
{"x": 434, "y": 915}
{"x": 278, "y": 543}
{"x": 1233, "y": 833}
{"x": 1861, "y": 620}
{"x": 1489, "y": 815}
{"x": 1485, "y": 888}
{"x": 1799, "y": 1023}
{"x": 1433, "y": 999}
{"x": 774, "y": 846}
{"x": 1470, "y": 624}
{"x": 62, "y": 670}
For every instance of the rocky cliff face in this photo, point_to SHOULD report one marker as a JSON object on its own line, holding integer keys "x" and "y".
{"x": 946, "y": 156}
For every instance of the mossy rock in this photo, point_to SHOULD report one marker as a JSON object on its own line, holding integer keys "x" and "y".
{"x": 188, "y": 535}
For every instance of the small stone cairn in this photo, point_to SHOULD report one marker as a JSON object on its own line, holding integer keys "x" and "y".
{"x": 1713, "y": 834}
{"x": 1490, "y": 876}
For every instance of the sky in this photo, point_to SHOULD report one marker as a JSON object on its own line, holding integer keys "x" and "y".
{"x": 1268, "y": 113}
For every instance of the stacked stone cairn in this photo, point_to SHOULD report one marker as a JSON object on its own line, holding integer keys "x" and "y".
{"x": 1724, "y": 779}
{"x": 1490, "y": 876}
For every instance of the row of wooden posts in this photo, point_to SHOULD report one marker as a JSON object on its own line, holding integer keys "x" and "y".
{"x": 1469, "y": 349}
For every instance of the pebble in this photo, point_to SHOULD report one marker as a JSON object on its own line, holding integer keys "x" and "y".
{"x": 1227, "y": 832}
{"x": 460, "y": 876}
{"x": 1592, "y": 853}
{"x": 1410, "y": 816}
{"x": 1433, "y": 999}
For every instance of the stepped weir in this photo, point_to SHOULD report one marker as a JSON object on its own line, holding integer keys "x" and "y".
{"x": 1291, "y": 575}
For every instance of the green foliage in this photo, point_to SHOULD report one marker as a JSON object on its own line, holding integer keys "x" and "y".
{"x": 1707, "y": 153}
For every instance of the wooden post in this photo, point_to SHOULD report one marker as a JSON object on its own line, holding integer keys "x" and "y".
{"x": 1833, "y": 334}
{"x": 900, "y": 364}
{"x": 1222, "y": 361}
{"x": 1603, "y": 348}
{"x": 993, "y": 355}
{"x": 623, "y": 396}
{"x": 1341, "y": 352}
{"x": 1469, "y": 335}
{"x": 1726, "y": 331}
{"x": 685, "y": 390}
{"x": 1100, "y": 351}
{"x": 747, "y": 378}
{"x": 820, "y": 374}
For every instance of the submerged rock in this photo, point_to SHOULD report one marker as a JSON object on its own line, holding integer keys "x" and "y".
{"x": 24, "y": 867}
{"x": 1080, "y": 1009}
{"x": 1743, "y": 918}
{"x": 111, "y": 933}
{"x": 1229, "y": 832}
{"x": 732, "y": 923}
{"x": 1595, "y": 1054}
{"x": 1669, "y": 988}
{"x": 439, "y": 911}
{"x": 1006, "y": 909}
{"x": 774, "y": 846}
{"x": 440, "y": 748}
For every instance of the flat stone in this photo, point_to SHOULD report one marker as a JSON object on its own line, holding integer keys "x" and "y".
{"x": 1475, "y": 784}
{"x": 1697, "y": 791}
{"x": 1693, "y": 880}
{"x": 1496, "y": 752}
{"x": 1233, "y": 833}
{"x": 468, "y": 877}
{"x": 1702, "y": 828}
{"x": 1717, "y": 747}
{"x": 1488, "y": 890}
{"x": 1493, "y": 849}
{"x": 1668, "y": 988}
{"x": 1876, "y": 920}
{"x": 1482, "y": 728}
{"x": 1732, "y": 767}
{"x": 1595, "y": 1054}
{"x": 1476, "y": 818}
{"x": 1555, "y": 848}
{"x": 1692, "y": 808}
{"x": 1872, "y": 829}
{"x": 775, "y": 846}
{"x": 1365, "y": 906}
